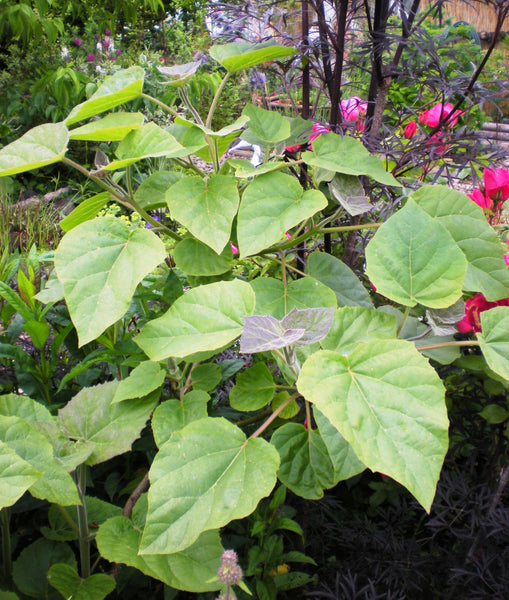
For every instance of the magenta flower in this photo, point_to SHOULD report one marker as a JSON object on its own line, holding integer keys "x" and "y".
{"x": 473, "y": 309}
{"x": 438, "y": 113}
{"x": 410, "y": 130}
{"x": 352, "y": 109}
{"x": 480, "y": 199}
{"x": 496, "y": 184}
{"x": 77, "y": 42}
{"x": 90, "y": 57}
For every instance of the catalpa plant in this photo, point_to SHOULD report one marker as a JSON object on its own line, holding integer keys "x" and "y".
{"x": 340, "y": 380}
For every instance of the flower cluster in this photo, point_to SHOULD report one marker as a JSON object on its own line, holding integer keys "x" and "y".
{"x": 473, "y": 309}
{"x": 495, "y": 191}
{"x": 432, "y": 117}
{"x": 230, "y": 572}
{"x": 102, "y": 49}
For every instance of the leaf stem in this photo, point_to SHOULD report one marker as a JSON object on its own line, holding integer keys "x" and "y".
{"x": 213, "y": 105}
{"x": 161, "y": 104}
{"x": 84, "y": 543}
{"x": 403, "y": 320}
{"x": 273, "y": 416}
{"x": 5, "y": 518}
{"x": 449, "y": 344}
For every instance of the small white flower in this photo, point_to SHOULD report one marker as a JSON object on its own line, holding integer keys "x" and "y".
{"x": 99, "y": 46}
{"x": 98, "y": 68}
{"x": 64, "y": 53}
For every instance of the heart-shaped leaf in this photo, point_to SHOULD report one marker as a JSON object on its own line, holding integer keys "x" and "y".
{"x": 38, "y": 147}
{"x": 206, "y": 208}
{"x": 206, "y": 475}
{"x": 268, "y": 126}
{"x": 174, "y": 414}
{"x": 388, "y": 403}
{"x": 100, "y": 263}
{"x": 413, "y": 259}
{"x": 117, "y": 89}
{"x": 347, "y": 155}
{"x": 66, "y": 580}
{"x": 204, "y": 318}
{"x": 271, "y": 205}
{"x": 253, "y": 388}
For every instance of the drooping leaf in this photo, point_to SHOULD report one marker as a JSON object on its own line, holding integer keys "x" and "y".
{"x": 193, "y": 570}
{"x": 91, "y": 416}
{"x": 203, "y": 319}
{"x": 147, "y": 141}
{"x": 465, "y": 221}
{"x": 179, "y": 74}
{"x": 253, "y": 388}
{"x": 316, "y": 323}
{"x": 117, "y": 89}
{"x": 494, "y": 339}
{"x": 86, "y": 210}
{"x": 99, "y": 264}
{"x": 347, "y": 155}
{"x": 273, "y": 298}
{"x": 143, "y": 379}
{"x": 347, "y": 190}
{"x": 43, "y": 145}
{"x": 16, "y": 476}
{"x": 174, "y": 414}
{"x": 443, "y": 321}
{"x": 206, "y": 208}
{"x": 206, "y": 475}
{"x": 111, "y": 128}
{"x": 271, "y": 205}
{"x": 55, "y": 484}
{"x": 30, "y": 569}
{"x": 268, "y": 126}
{"x": 306, "y": 467}
{"x": 66, "y": 580}
{"x": 413, "y": 259}
{"x": 196, "y": 258}
{"x": 290, "y": 409}
{"x": 344, "y": 460}
{"x": 358, "y": 324}
{"x": 388, "y": 403}
{"x": 206, "y": 376}
{"x": 264, "y": 332}
{"x": 243, "y": 55}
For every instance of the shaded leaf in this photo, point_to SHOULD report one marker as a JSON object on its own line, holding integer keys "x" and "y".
{"x": 253, "y": 388}
{"x": 143, "y": 379}
{"x": 66, "y": 580}
{"x": 196, "y": 258}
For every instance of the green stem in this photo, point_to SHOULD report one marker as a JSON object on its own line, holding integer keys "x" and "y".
{"x": 68, "y": 519}
{"x": 449, "y": 345}
{"x": 403, "y": 320}
{"x": 84, "y": 543}
{"x": 213, "y": 106}
{"x": 274, "y": 415}
{"x": 5, "y": 518}
{"x": 161, "y": 104}
{"x": 185, "y": 99}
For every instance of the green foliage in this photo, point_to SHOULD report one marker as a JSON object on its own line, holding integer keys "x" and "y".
{"x": 337, "y": 385}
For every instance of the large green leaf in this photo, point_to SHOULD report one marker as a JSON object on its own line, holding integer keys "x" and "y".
{"x": 340, "y": 278}
{"x": 494, "y": 339}
{"x": 204, "y": 318}
{"x": 306, "y": 467}
{"x": 243, "y": 55}
{"x": 151, "y": 193}
{"x": 196, "y": 258}
{"x": 40, "y": 146}
{"x": 66, "y": 580}
{"x": 15, "y": 405}
{"x": 206, "y": 475}
{"x": 111, "y": 128}
{"x": 55, "y": 484}
{"x": 273, "y": 298}
{"x": 148, "y": 141}
{"x": 253, "y": 388}
{"x": 121, "y": 87}
{"x": 16, "y": 475}
{"x": 353, "y": 324}
{"x": 205, "y": 207}
{"x": 193, "y": 570}
{"x": 413, "y": 259}
{"x": 174, "y": 414}
{"x": 268, "y": 126}
{"x": 92, "y": 416}
{"x": 347, "y": 155}
{"x": 100, "y": 263}
{"x": 271, "y": 205}
{"x": 388, "y": 403}
{"x": 486, "y": 271}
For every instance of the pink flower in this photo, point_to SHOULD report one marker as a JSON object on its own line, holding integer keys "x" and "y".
{"x": 77, "y": 42}
{"x": 439, "y": 112}
{"x": 317, "y": 130}
{"x": 294, "y": 148}
{"x": 423, "y": 117}
{"x": 234, "y": 248}
{"x": 352, "y": 109}
{"x": 480, "y": 199}
{"x": 410, "y": 130}
{"x": 506, "y": 258}
{"x": 90, "y": 57}
{"x": 436, "y": 142}
{"x": 496, "y": 184}
{"x": 473, "y": 309}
